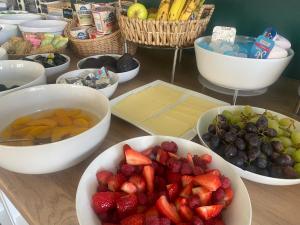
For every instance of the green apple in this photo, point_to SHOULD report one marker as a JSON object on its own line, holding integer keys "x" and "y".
{"x": 137, "y": 10}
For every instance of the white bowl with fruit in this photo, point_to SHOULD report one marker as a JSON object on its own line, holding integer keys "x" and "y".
{"x": 260, "y": 144}
{"x": 126, "y": 183}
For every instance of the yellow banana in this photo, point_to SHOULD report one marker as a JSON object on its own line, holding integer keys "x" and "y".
{"x": 190, "y": 6}
{"x": 176, "y": 9}
{"x": 163, "y": 10}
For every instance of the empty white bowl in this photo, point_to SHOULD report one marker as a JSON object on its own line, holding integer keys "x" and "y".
{"x": 238, "y": 73}
{"x": 107, "y": 91}
{"x": 7, "y": 31}
{"x": 3, "y": 54}
{"x": 47, "y": 158}
{"x": 22, "y": 73}
{"x": 18, "y": 18}
{"x": 123, "y": 77}
{"x": 238, "y": 213}
{"x": 44, "y": 26}
{"x": 207, "y": 118}
{"x": 52, "y": 73}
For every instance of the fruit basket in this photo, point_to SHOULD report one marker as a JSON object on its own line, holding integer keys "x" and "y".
{"x": 111, "y": 43}
{"x": 159, "y": 32}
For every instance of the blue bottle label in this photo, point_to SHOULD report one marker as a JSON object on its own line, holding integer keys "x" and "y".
{"x": 270, "y": 33}
{"x": 261, "y": 47}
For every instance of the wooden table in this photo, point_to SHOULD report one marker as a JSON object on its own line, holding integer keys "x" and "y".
{"x": 50, "y": 199}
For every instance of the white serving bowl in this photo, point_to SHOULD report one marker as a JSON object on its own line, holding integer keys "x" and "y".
{"x": 3, "y": 54}
{"x": 238, "y": 213}
{"x": 107, "y": 91}
{"x": 23, "y": 73}
{"x": 52, "y": 73}
{"x": 207, "y": 118}
{"x": 7, "y": 31}
{"x": 44, "y": 26}
{"x": 19, "y": 18}
{"x": 53, "y": 157}
{"x": 123, "y": 77}
{"x": 55, "y": 16}
{"x": 238, "y": 73}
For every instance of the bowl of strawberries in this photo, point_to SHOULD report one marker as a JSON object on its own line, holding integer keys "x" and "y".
{"x": 160, "y": 180}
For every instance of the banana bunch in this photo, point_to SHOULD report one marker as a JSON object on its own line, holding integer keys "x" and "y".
{"x": 189, "y": 8}
{"x": 163, "y": 10}
{"x": 176, "y": 9}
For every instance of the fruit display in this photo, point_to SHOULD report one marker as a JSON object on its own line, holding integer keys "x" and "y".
{"x": 260, "y": 143}
{"x": 51, "y": 60}
{"x": 123, "y": 64}
{"x": 48, "y": 126}
{"x": 5, "y": 88}
{"x": 157, "y": 186}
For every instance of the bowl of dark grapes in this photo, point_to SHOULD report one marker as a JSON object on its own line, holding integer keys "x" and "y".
{"x": 262, "y": 145}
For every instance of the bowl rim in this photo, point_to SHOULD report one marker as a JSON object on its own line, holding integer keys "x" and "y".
{"x": 70, "y": 74}
{"x": 53, "y": 67}
{"x": 112, "y": 55}
{"x": 140, "y": 138}
{"x": 29, "y": 83}
{"x": 65, "y": 86}
{"x": 290, "y": 51}
{"x": 272, "y": 179}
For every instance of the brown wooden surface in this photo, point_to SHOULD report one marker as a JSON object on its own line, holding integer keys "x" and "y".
{"x": 50, "y": 199}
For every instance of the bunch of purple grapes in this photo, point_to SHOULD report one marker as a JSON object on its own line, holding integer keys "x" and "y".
{"x": 250, "y": 147}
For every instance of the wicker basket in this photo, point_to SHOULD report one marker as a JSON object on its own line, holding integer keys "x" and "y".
{"x": 111, "y": 43}
{"x": 165, "y": 33}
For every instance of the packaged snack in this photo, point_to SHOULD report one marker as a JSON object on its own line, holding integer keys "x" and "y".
{"x": 93, "y": 33}
{"x": 80, "y": 32}
{"x": 84, "y": 14}
{"x": 105, "y": 19}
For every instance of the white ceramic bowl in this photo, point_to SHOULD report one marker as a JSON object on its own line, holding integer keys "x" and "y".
{"x": 52, "y": 73}
{"x": 238, "y": 213}
{"x": 7, "y": 31}
{"x": 59, "y": 155}
{"x": 55, "y": 16}
{"x": 19, "y": 18}
{"x": 44, "y": 26}
{"x": 123, "y": 77}
{"x": 208, "y": 117}
{"x": 3, "y": 54}
{"x": 107, "y": 91}
{"x": 22, "y": 73}
{"x": 238, "y": 73}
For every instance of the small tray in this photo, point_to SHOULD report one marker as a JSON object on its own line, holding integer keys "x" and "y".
{"x": 189, "y": 134}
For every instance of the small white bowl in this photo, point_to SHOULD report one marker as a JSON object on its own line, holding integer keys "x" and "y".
{"x": 238, "y": 73}
{"x": 208, "y": 117}
{"x": 52, "y": 73}
{"x": 238, "y": 213}
{"x": 3, "y": 54}
{"x": 7, "y": 31}
{"x": 19, "y": 18}
{"x": 23, "y": 73}
{"x": 107, "y": 91}
{"x": 123, "y": 77}
{"x": 53, "y": 157}
{"x": 44, "y": 26}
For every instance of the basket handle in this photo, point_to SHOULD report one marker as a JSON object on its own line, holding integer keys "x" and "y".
{"x": 120, "y": 1}
{"x": 206, "y": 11}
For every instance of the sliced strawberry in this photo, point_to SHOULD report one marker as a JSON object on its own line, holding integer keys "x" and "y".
{"x": 164, "y": 221}
{"x": 186, "y": 191}
{"x": 197, "y": 170}
{"x": 172, "y": 155}
{"x": 189, "y": 158}
{"x": 159, "y": 169}
{"x": 186, "y": 169}
{"x": 152, "y": 220}
{"x": 159, "y": 184}
{"x": 215, "y": 221}
{"x": 135, "y": 158}
{"x": 169, "y": 146}
{"x": 186, "y": 213}
{"x": 136, "y": 219}
{"x": 103, "y": 175}
{"x": 199, "y": 162}
{"x": 218, "y": 195}
{"x": 103, "y": 201}
{"x": 194, "y": 202}
{"x": 180, "y": 202}
{"x": 139, "y": 182}
{"x": 204, "y": 195}
{"x": 173, "y": 178}
{"x": 186, "y": 179}
{"x": 214, "y": 172}
{"x": 225, "y": 182}
{"x": 147, "y": 152}
{"x": 128, "y": 187}
{"x": 127, "y": 169}
{"x": 210, "y": 181}
{"x": 197, "y": 221}
{"x": 102, "y": 187}
{"x": 228, "y": 196}
{"x": 206, "y": 158}
{"x": 167, "y": 209}
{"x": 152, "y": 212}
{"x": 162, "y": 157}
{"x": 174, "y": 165}
{"x": 148, "y": 174}
{"x": 115, "y": 182}
{"x": 208, "y": 212}
{"x": 143, "y": 198}
{"x": 141, "y": 209}
{"x": 173, "y": 191}
{"x": 126, "y": 204}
